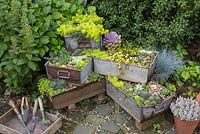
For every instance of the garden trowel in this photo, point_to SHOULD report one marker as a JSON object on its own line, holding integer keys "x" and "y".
{"x": 44, "y": 121}
{"x": 33, "y": 124}
{"x": 25, "y": 109}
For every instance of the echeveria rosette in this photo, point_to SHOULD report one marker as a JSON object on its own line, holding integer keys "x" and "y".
{"x": 112, "y": 39}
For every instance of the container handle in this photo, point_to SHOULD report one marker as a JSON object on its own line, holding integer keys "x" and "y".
{"x": 67, "y": 76}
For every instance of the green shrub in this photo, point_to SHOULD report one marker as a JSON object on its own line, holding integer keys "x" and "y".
{"x": 27, "y": 33}
{"x": 158, "y": 23}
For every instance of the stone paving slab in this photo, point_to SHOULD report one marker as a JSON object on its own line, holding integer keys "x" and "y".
{"x": 104, "y": 109}
{"x": 83, "y": 130}
{"x": 110, "y": 126}
{"x": 94, "y": 120}
{"x": 119, "y": 118}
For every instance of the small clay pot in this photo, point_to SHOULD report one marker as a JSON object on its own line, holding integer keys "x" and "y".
{"x": 185, "y": 127}
{"x": 198, "y": 98}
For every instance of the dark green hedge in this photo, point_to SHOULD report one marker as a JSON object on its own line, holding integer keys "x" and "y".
{"x": 158, "y": 23}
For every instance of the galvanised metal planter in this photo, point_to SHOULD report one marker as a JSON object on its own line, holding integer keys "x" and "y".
{"x": 72, "y": 42}
{"x": 139, "y": 113}
{"x": 69, "y": 75}
{"x": 128, "y": 72}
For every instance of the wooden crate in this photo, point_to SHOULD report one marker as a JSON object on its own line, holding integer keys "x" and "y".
{"x": 77, "y": 94}
{"x": 139, "y": 113}
{"x": 72, "y": 43}
{"x": 69, "y": 75}
{"x": 10, "y": 124}
{"x": 128, "y": 72}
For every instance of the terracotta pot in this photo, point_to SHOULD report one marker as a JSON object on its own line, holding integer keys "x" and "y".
{"x": 185, "y": 127}
{"x": 198, "y": 98}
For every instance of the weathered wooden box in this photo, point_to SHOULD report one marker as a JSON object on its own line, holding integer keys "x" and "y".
{"x": 78, "y": 94}
{"x": 10, "y": 124}
{"x": 128, "y": 72}
{"x": 70, "y": 75}
{"x": 139, "y": 113}
{"x": 72, "y": 43}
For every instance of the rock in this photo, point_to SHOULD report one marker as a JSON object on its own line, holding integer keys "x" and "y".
{"x": 104, "y": 109}
{"x": 111, "y": 127}
{"x": 83, "y": 130}
{"x": 105, "y": 132}
{"x": 94, "y": 120}
{"x": 170, "y": 132}
{"x": 119, "y": 118}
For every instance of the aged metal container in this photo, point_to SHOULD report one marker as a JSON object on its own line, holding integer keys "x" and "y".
{"x": 72, "y": 43}
{"x": 78, "y": 94}
{"x": 139, "y": 113}
{"x": 128, "y": 72}
{"x": 70, "y": 75}
{"x": 10, "y": 124}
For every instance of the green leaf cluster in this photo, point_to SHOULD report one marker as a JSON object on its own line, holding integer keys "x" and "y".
{"x": 189, "y": 76}
{"x": 27, "y": 33}
{"x": 158, "y": 23}
{"x": 94, "y": 77}
{"x": 88, "y": 24}
{"x": 116, "y": 82}
{"x": 50, "y": 88}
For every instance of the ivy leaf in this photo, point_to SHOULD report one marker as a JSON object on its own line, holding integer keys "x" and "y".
{"x": 29, "y": 56}
{"x": 65, "y": 6}
{"x": 42, "y": 52}
{"x": 46, "y": 10}
{"x": 44, "y": 40}
{"x": 32, "y": 65}
{"x": 73, "y": 8}
{"x": 56, "y": 15}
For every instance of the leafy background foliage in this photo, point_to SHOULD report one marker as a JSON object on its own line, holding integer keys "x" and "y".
{"x": 28, "y": 33}
{"x": 157, "y": 23}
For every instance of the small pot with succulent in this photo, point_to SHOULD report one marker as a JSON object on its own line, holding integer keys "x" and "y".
{"x": 73, "y": 69}
{"x": 139, "y": 100}
{"x": 84, "y": 30}
{"x": 186, "y": 113}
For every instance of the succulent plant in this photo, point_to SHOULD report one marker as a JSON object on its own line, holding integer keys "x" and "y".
{"x": 186, "y": 109}
{"x": 167, "y": 63}
{"x": 112, "y": 37}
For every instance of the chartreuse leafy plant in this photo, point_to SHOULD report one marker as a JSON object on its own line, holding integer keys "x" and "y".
{"x": 144, "y": 95}
{"x": 51, "y": 88}
{"x": 88, "y": 24}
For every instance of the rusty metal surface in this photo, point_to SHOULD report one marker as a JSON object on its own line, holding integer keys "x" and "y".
{"x": 77, "y": 94}
{"x": 69, "y": 75}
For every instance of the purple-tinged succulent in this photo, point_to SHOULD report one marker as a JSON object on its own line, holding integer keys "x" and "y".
{"x": 112, "y": 38}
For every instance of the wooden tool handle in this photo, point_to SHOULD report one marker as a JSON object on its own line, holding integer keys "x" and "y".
{"x": 40, "y": 103}
{"x": 22, "y": 102}
{"x": 35, "y": 106}
{"x": 12, "y": 104}
{"x": 26, "y": 101}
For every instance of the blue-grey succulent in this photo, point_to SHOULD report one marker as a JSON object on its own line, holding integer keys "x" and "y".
{"x": 186, "y": 109}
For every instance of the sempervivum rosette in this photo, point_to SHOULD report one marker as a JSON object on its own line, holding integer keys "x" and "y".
{"x": 112, "y": 39}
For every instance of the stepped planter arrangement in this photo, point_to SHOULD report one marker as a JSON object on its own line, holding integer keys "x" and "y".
{"x": 62, "y": 94}
{"x": 186, "y": 113}
{"x": 140, "y": 101}
{"x": 71, "y": 69}
{"x": 83, "y": 31}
